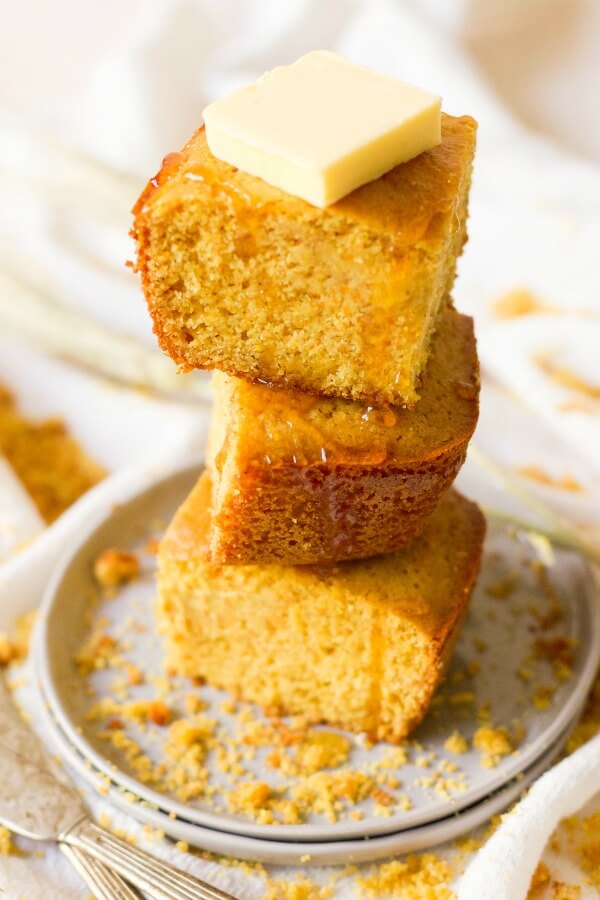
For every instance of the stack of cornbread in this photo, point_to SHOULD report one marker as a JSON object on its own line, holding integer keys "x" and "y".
{"x": 322, "y": 565}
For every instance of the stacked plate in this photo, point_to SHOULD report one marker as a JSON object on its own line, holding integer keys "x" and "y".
{"x": 525, "y": 661}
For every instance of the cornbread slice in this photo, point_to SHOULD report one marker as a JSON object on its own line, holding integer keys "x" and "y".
{"x": 357, "y": 644}
{"x": 301, "y": 479}
{"x": 242, "y": 277}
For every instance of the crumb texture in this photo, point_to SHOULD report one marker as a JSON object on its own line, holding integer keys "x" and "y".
{"x": 360, "y": 644}
{"x": 52, "y": 465}
{"x": 241, "y": 277}
{"x": 301, "y": 479}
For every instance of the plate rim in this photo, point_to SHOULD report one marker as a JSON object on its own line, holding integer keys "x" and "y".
{"x": 307, "y": 853}
{"x": 292, "y": 833}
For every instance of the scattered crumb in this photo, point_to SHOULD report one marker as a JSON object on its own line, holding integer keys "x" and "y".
{"x": 540, "y": 879}
{"x": 494, "y": 743}
{"x": 424, "y": 877}
{"x": 50, "y": 463}
{"x": 584, "y": 837}
{"x": 14, "y": 648}
{"x": 249, "y": 796}
{"x": 299, "y": 889}
{"x": 456, "y": 743}
{"x": 100, "y": 651}
{"x": 151, "y": 546}
{"x": 561, "y": 891}
{"x": 114, "y": 566}
{"x": 7, "y": 846}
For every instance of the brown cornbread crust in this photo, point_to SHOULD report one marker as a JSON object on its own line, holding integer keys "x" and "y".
{"x": 301, "y": 479}
{"x": 358, "y": 644}
{"x": 240, "y": 276}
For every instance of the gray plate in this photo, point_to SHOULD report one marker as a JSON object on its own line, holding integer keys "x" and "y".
{"x": 503, "y": 624}
{"x": 298, "y": 853}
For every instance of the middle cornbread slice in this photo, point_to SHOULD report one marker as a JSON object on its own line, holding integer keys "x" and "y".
{"x": 302, "y": 479}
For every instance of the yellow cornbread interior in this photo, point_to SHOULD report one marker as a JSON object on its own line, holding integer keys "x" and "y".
{"x": 360, "y": 644}
{"x": 302, "y": 479}
{"x": 265, "y": 426}
{"x": 242, "y": 277}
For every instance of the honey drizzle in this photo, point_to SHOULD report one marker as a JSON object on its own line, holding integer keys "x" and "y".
{"x": 293, "y": 438}
{"x": 224, "y": 187}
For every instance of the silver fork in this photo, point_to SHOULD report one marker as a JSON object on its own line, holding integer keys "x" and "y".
{"x": 35, "y": 803}
{"x": 102, "y": 881}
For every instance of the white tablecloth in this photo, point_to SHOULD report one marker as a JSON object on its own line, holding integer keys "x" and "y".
{"x": 130, "y": 86}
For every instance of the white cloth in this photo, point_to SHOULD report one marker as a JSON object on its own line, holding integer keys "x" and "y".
{"x": 131, "y": 87}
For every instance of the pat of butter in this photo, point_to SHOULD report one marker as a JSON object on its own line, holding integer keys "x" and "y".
{"x": 322, "y": 127}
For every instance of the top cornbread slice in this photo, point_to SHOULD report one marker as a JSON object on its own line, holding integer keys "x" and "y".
{"x": 242, "y": 277}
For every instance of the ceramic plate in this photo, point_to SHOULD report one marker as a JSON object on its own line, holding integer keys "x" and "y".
{"x": 525, "y": 661}
{"x": 286, "y": 852}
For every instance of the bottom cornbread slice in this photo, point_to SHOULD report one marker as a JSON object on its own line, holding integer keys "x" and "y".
{"x": 358, "y": 644}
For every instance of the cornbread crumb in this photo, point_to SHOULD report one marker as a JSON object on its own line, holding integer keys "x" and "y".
{"x": 50, "y": 463}
{"x": 249, "y": 795}
{"x": 14, "y": 648}
{"x": 100, "y": 651}
{"x": 184, "y": 734}
{"x": 159, "y": 713}
{"x": 456, "y": 743}
{"x": 151, "y": 545}
{"x": 422, "y": 877}
{"x": 539, "y": 879}
{"x": 299, "y": 889}
{"x": 7, "y": 846}
{"x": 114, "y": 566}
{"x": 561, "y": 891}
{"x": 584, "y": 836}
{"x": 494, "y": 743}
{"x": 315, "y": 751}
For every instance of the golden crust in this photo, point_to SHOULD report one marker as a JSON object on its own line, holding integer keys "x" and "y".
{"x": 242, "y": 277}
{"x": 359, "y": 643}
{"x": 303, "y": 480}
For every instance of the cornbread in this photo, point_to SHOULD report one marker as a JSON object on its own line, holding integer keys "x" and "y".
{"x": 299, "y": 479}
{"x": 360, "y": 644}
{"x": 242, "y": 277}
